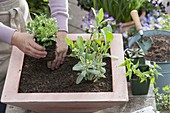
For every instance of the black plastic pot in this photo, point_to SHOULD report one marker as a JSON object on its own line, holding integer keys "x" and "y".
{"x": 51, "y": 49}
{"x": 137, "y": 87}
{"x": 50, "y": 52}
{"x": 140, "y": 59}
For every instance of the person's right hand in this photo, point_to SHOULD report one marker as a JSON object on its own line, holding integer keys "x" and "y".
{"x": 24, "y": 41}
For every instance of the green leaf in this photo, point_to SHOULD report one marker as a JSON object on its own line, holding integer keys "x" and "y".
{"x": 109, "y": 28}
{"x": 106, "y": 55}
{"x": 53, "y": 39}
{"x": 79, "y": 42}
{"x": 78, "y": 67}
{"x": 91, "y": 56}
{"x": 79, "y": 79}
{"x": 98, "y": 41}
{"x": 101, "y": 64}
{"x": 123, "y": 64}
{"x": 129, "y": 74}
{"x": 94, "y": 12}
{"x": 152, "y": 80}
{"x": 104, "y": 35}
{"x": 94, "y": 46}
{"x": 100, "y": 15}
{"x": 69, "y": 42}
{"x": 88, "y": 42}
{"x": 103, "y": 70}
{"x": 103, "y": 76}
{"x": 95, "y": 72}
{"x": 108, "y": 34}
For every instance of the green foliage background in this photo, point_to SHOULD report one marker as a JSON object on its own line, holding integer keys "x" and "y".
{"x": 39, "y": 7}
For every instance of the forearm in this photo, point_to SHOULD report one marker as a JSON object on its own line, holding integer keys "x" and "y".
{"x": 59, "y": 10}
{"x": 6, "y": 33}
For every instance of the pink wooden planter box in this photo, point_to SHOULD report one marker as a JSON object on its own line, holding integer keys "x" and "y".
{"x": 67, "y": 102}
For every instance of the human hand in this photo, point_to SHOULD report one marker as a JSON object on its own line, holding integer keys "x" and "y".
{"x": 24, "y": 41}
{"x": 61, "y": 50}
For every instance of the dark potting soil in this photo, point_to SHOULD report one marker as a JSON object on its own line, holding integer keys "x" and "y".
{"x": 160, "y": 50}
{"x": 37, "y": 78}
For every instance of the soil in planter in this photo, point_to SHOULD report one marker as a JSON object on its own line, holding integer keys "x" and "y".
{"x": 160, "y": 50}
{"x": 37, "y": 78}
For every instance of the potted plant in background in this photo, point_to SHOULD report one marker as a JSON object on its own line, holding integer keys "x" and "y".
{"x": 140, "y": 76}
{"x": 66, "y": 98}
{"x": 159, "y": 53}
{"x": 136, "y": 54}
{"x": 119, "y": 12}
{"x": 155, "y": 43}
{"x": 44, "y": 30}
{"x": 163, "y": 99}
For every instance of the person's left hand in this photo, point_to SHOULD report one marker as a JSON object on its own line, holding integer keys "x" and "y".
{"x": 61, "y": 50}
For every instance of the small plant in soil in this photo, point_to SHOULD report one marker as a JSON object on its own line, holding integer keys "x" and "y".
{"x": 136, "y": 54}
{"x": 91, "y": 52}
{"x": 44, "y": 30}
{"x": 134, "y": 69}
{"x": 163, "y": 99}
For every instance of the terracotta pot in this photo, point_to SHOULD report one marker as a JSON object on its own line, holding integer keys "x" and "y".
{"x": 67, "y": 102}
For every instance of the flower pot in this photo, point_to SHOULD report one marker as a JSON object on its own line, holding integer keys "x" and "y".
{"x": 67, "y": 101}
{"x": 158, "y": 55}
{"x": 137, "y": 87}
{"x": 165, "y": 79}
{"x": 50, "y": 52}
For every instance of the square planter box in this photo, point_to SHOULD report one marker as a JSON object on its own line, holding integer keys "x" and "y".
{"x": 67, "y": 102}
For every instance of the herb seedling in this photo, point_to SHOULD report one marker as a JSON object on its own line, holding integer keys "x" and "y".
{"x": 91, "y": 51}
{"x": 133, "y": 69}
{"x": 44, "y": 30}
{"x": 163, "y": 99}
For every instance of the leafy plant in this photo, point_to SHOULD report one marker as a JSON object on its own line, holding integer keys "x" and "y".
{"x": 119, "y": 13}
{"x": 133, "y": 69}
{"x": 163, "y": 99}
{"x": 166, "y": 22}
{"x": 91, "y": 51}
{"x": 118, "y": 9}
{"x": 135, "y": 53}
{"x": 44, "y": 29}
{"x": 38, "y": 7}
{"x": 150, "y": 5}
